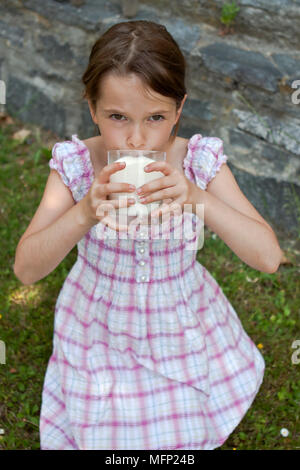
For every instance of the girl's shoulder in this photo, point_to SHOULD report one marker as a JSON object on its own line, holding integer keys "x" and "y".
{"x": 71, "y": 160}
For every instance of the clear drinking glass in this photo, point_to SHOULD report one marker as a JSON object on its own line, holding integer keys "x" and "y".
{"x": 133, "y": 173}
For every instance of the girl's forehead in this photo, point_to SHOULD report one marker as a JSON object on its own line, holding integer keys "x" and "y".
{"x": 130, "y": 87}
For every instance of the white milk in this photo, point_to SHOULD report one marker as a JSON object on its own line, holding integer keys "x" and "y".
{"x": 134, "y": 173}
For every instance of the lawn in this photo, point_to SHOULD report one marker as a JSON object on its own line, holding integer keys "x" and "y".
{"x": 268, "y": 306}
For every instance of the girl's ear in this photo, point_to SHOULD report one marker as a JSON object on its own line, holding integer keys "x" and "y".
{"x": 180, "y": 109}
{"x": 92, "y": 111}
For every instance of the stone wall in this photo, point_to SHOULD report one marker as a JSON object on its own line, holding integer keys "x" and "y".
{"x": 240, "y": 86}
{"x": 262, "y": 19}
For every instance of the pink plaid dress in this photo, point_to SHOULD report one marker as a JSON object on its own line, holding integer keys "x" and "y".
{"x": 148, "y": 352}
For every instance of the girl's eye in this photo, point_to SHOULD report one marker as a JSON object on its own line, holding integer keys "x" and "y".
{"x": 116, "y": 115}
{"x": 158, "y": 115}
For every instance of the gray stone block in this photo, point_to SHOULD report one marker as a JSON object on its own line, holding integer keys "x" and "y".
{"x": 197, "y": 118}
{"x": 284, "y": 133}
{"x": 187, "y": 130}
{"x": 28, "y": 103}
{"x": 269, "y": 177}
{"x": 287, "y": 64}
{"x": 186, "y": 37}
{"x": 87, "y": 127}
{"x": 247, "y": 67}
{"x": 90, "y": 16}
{"x": 278, "y": 203}
{"x": 12, "y": 33}
{"x": 263, "y": 159}
{"x": 197, "y": 110}
{"x": 49, "y": 47}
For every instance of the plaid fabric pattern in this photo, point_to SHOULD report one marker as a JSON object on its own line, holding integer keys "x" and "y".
{"x": 148, "y": 353}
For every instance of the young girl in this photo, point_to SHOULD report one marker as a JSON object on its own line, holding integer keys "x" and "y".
{"x": 148, "y": 353}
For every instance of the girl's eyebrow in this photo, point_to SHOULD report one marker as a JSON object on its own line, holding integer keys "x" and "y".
{"x": 122, "y": 112}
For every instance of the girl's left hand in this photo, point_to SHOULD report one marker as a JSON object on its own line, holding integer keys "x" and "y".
{"x": 173, "y": 188}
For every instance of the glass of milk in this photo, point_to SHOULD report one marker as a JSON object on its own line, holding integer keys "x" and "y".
{"x": 133, "y": 173}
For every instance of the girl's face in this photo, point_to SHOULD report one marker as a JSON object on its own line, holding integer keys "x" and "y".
{"x": 129, "y": 118}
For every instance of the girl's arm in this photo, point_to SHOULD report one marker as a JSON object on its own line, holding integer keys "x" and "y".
{"x": 56, "y": 227}
{"x": 40, "y": 253}
{"x": 230, "y": 215}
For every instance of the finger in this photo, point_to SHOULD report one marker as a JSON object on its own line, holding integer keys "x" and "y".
{"x": 121, "y": 187}
{"x": 112, "y": 220}
{"x": 155, "y": 212}
{"x": 111, "y": 188}
{"x": 162, "y": 166}
{"x": 175, "y": 208}
{"x": 162, "y": 209}
{"x": 159, "y": 183}
{"x": 165, "y": 193}
{"x": 104, "y": 207}
{"x": 125, "y": 201}
{"x": 108, "y": 170}
{"x": 113, "y": 205}
{"x": 111, "y": 223}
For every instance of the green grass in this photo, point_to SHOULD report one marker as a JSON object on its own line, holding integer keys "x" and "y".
{"x": 267, "y": 305}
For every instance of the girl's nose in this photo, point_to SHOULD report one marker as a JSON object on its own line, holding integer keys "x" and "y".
{"x": 136, "y": 140}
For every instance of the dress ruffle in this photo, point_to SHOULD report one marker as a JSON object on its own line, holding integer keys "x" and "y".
{"x": 204, "y": 159}
{"x": 71, "y": 160}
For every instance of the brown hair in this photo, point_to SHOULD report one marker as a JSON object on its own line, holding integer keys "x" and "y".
{"x": 141, "y": 47}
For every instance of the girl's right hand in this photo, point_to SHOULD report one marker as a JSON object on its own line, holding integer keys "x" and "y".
{"x": 98, "y": 205}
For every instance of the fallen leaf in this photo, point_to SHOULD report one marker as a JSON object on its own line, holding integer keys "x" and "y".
{"x": 21, "y": 135}
{"x": 251, "y": 280}
{"x": 5, "y": 119}
{"x": 12, "y": 371}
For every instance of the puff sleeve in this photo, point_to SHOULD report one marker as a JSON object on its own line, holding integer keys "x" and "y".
{"x": 56, "y": 162}
{"x": 71, "y": 160}
{"x": 204, "y": 159}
